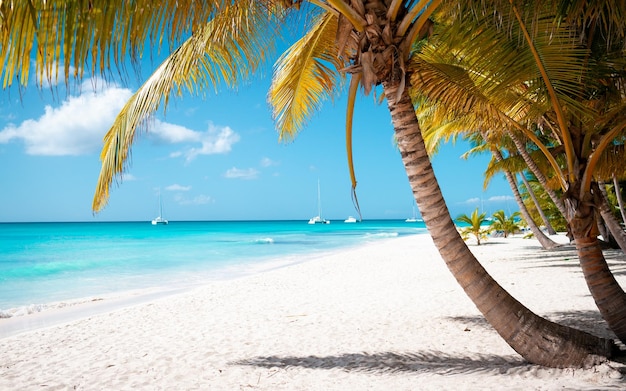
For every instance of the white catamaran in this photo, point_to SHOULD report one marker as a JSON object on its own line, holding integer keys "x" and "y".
{"x": 318, "y": 219}
{"x": 413, "y": 219}
{"x": 159, "y": 220}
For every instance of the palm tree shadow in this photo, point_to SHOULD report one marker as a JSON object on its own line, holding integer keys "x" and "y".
{"x": 566, "y": 256}
{"x": 432, "y": 362}
{"x": 588, "y": 321}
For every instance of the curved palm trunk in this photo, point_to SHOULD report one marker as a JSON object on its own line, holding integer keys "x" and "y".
{"x": 533, "y": 337}
{"x": 532, "y": 166}
{"x": 609, "y": 219}
{"x": 545, "y": 241}
{"x": 542, "y": 214}
{"x": 618, "y": 195}
{"x": 606, "y": 291}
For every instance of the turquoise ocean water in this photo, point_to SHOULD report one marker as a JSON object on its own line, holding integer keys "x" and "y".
{"x": 46, "y": 263}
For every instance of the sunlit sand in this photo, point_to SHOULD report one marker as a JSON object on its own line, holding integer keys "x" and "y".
{"x": 385, "y": 316}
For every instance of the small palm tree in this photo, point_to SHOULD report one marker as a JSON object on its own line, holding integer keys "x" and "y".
{"x": 507, "y": 225}
{"x": 476, "y": 226}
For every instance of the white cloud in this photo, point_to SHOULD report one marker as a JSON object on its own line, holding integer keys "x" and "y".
{"x": 177, "y": 187}
{"x": 78, "y": 125}
{"x": 267, "y": 162}
{"x": 198, "y": 200}
{"x": 501, "y": 198}
{"x": 240, "y": 173}
{"x": 215, "y": 140}
{"x": 172, "y": 133}
{"x": 74, "y": 128}
{"x": 471, "y": 201}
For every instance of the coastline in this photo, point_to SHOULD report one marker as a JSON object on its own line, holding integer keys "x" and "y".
{"x": 53, "y": 265}
{"x": 386, "y": 315}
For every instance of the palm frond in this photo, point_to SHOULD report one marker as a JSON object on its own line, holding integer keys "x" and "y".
{"x": 304, "y": 76}
{"x": 224, "y": 50}
{"x": 95, "y": 33}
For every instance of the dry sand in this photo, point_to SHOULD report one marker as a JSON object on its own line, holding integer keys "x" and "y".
{"x": 385, "y": 316}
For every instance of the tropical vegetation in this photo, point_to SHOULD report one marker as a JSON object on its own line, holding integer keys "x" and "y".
{"x": 550, "y": 72}
{"x": 505, "y": 224}
{"x": 551, "y": 76}
{"x": 474, "y": 225}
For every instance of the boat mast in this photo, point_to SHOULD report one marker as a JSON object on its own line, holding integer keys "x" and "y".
{"x": 319, "y": 200}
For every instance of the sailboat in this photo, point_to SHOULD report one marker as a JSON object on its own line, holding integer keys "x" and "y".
{"x": 159, "y": 220}
{"x": 413, "y": 218}
{"x": 318, "y": 219}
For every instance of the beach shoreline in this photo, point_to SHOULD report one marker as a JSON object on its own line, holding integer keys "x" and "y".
{"x": 385, "y": 315}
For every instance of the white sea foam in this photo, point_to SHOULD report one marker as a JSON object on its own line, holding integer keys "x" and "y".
{"x": 265, "y": 241}
{"x": 37, "y": 308}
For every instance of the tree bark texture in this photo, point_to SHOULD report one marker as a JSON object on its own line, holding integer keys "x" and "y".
{"x": 533, "y": 197}
{"x": 532, "y": 166}
{"x": 606, "y": 291}
{"x": 545, "y": 241}
{"x": 536, "y": 339}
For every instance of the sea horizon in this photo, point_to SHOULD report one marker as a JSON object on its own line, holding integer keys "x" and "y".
{"x": 45, "y": 265}
{"x": 338, "y": 220}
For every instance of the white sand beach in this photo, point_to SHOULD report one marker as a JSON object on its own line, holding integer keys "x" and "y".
{"x": 385, "y": 316}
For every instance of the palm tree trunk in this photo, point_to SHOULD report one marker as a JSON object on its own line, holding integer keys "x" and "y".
{"x": 533, "y": 337}
{"x": 606, "y": 291}
{"x": 546, "y": 242}
{"x": 618, "y": 195}
{"x": 610, "y": 221}
{"x": 542, "y": 214}
{"x": 532, "y": 166}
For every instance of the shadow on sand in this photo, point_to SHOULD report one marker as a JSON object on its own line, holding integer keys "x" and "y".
{"x": 589, "y": 321}
{"x": 566, "y": 256}
{"x": 432, "y": 362}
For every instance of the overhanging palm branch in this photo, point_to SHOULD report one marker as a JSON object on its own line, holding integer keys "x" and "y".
{"x": 476, "y": 99}
{"x": 224, "y": 50}
{"x": 304, "y": 76}
{"x": 95, "y": 32}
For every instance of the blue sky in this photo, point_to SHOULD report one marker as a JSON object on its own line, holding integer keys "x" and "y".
{"x": 214, "y": 158}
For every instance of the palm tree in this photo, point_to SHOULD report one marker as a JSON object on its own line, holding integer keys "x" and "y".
{"x": 618, "y": 196}
{"x": 554, "y": 72}
{"x": 380, "y": 55}
{"x": 474, "y": 225}
{"x": 533, "y": 197}
{"x": 543, "y": 239}
{"x": 371, "y": 41}
{"x": 507, "y": 225}
{"x": 544, "y": 203}
{"x": 438, "y": 127}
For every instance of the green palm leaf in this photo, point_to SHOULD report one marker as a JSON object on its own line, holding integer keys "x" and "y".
{"x": 304, "y": 76}
{"x": 96, "y": 32}
{"x": 225, "y": 50}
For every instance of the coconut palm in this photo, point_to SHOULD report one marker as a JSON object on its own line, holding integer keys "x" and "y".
{"x": 544, "y": 203}
{"x": 556, "y": 75}
{"x": 507, "y": 225}
{"x": 381, "y": 50}
{"x": 543, "y": 239}
{"x": 617, "y": 188}
{"x": 370, "y": 41}
{"x": 475, "y": 226}
{"x": 533, "y": 197}
{"x": 438, "y": 127}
